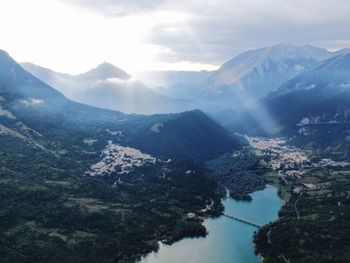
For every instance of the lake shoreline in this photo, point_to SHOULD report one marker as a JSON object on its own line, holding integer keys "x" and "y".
{"x": 221, "y": 239}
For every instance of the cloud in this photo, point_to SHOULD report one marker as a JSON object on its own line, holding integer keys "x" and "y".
{"x": 223, "y": 29}
{"x": 215, "y": 30}
{"x": 32, "y": 102}
{"x": 6, "y": 113}
{"x": 118, "y": 7}
{"x": 117, "y": 81}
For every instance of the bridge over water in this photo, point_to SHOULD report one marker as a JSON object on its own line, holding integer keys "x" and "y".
{"x": 242, "y": 220}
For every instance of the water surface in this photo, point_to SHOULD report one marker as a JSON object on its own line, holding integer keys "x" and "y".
{"x": 228, "y": 241}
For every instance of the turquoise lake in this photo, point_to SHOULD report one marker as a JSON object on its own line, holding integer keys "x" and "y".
{"x": 229, "y": 241}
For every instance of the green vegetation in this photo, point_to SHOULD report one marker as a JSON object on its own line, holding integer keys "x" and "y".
{"x": 272, "y": 178}
{"x": 52, "y": 211}
{"x": 312, "y": 224}
{"x": 67, "y": 218}
{"x": 240, "y": 173}
{"x": 284, "y": 191}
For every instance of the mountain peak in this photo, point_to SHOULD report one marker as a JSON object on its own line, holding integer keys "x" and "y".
{"x": 106, "y": 64}
{"x": 255, "y": 73}
{"x": 278, "y": 52}
{"x": 22, "y": 82}
{"x": 6, "y": 58}
{"x": 113, "y": 71}
{"x": 9, "y": 69}
{"x": 288, "y": 51}
{"x": 104, "y": 71}
{"x": 3, "y": 53}
{"x": 281, "y": 46}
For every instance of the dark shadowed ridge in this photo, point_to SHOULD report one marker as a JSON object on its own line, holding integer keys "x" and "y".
{"x": 190, "y": 134}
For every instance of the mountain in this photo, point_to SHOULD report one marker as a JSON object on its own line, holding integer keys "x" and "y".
{"x": 102, "y": 72}
{"x": 240, "y": 81}
{"x": 342, "y": 51}
{"x": 187, "y": 135}
{"x": 43, "y": 109}
{"x": 168, "y": 78}
{"x": 314, "y": 106}
{"x": 83, "y": 184}
{"x": 175, "y": 84}
{"x": 237, "y": 83}
{"x": 255, "y": 73}
{"x": 109, "y": 87}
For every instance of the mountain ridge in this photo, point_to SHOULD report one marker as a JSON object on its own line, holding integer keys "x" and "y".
{"x": 255, "y": 73}
{"x": 53, "y": 115}
{"x": 312, "y": 107}
{"x": 107, "y": 86}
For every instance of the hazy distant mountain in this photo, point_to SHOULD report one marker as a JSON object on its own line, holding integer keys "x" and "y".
{"x": 242, "y": 80}
{"x": 255, "y": 73}
{"x": 172, "y": 77}
{"x": 107, "y": 86}
{"x": 342, "y": 51}
{"x": 314, "y": 104}
{"x": 59, "y": 81}
{"x": 102, "y": 72}
{"x": 26, "y": 99}
{"x": 60, "y": 160}
{"x": 175, "y": 84}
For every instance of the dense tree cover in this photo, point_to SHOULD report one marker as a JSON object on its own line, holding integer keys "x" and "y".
{"x": 326, "y": 141}
{"x": 321, "y": 233}
{"x": 74, "y": 218}
{"x": 51, "y": 211}
{"x": 239, "y": 173}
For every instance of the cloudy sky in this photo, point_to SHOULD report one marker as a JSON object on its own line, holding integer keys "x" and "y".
{"x": 75, "y": 35}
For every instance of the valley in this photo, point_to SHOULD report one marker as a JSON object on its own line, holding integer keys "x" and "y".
{"x": 83, "y": 184}
{"x": 316, "y": 196}
{"x": 228, "y": 240}
{"x": 79, "y": 183}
